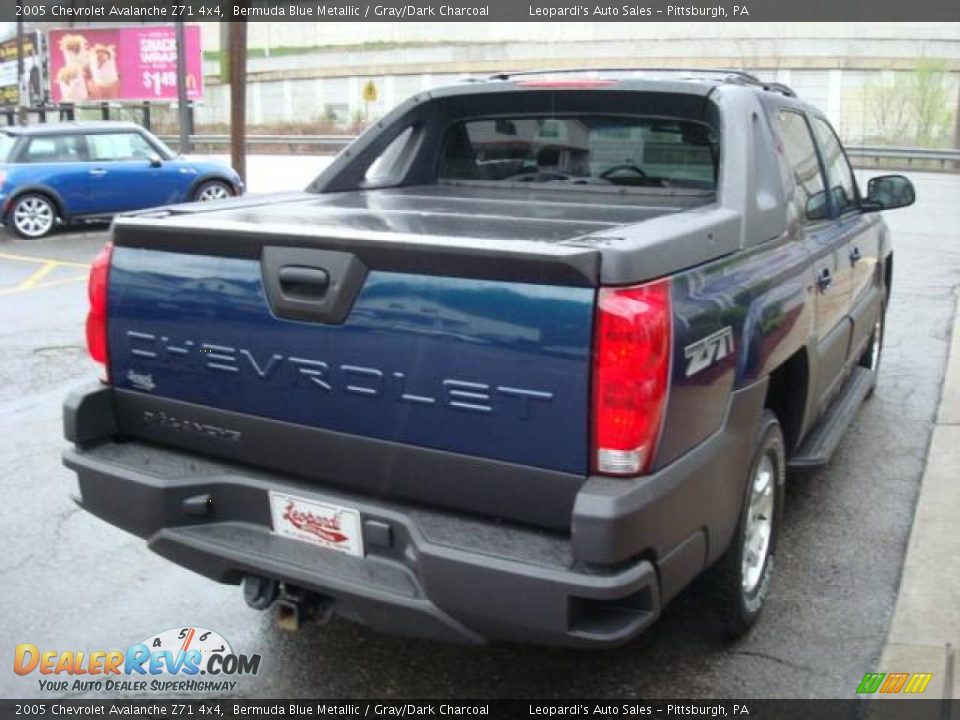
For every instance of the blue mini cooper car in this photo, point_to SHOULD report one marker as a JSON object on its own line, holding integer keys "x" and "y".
{"x": 67, "y": 172}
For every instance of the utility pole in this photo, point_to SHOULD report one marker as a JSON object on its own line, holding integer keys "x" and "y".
{"x": 21, "y": 108}
{"x": 238, "y": 97}
{"x": 183, "y": 103}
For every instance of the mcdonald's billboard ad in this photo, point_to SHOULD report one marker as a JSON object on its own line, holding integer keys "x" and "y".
{"x": 123, "y": 63}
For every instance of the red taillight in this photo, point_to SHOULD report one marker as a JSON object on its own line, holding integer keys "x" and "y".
{"x": 631, "y": 367}
{"x": 586, "y": 84}
{"x": 97, "y": 315}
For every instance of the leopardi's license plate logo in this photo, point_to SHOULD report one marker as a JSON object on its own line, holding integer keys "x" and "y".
{"x": 330, "y": 526}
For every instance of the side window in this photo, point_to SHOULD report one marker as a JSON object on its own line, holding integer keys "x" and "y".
{"x": 109, "y": 147}
{"x": 53, "y": 149}
{"x": 801, "y": 155}
{"x": 842, "y": 184}
{"x": 391, "y": 164}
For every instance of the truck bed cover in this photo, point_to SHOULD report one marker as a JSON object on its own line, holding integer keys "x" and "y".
{"x": 549, "y": 236}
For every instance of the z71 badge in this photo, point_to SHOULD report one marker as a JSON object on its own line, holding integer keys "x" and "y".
{"x": 711, "y": 349}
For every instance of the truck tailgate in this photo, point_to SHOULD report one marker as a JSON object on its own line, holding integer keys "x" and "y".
{"x": 209, "y": 352}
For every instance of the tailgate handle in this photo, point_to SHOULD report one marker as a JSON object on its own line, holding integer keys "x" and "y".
{"x": 310, "y": 284}
{"x": 304, "y": 282}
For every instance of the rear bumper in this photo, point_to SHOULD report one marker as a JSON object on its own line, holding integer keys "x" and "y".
{"x": 426, "y": 572}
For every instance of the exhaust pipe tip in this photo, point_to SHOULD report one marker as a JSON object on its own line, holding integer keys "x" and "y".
{"x": 259, "y": 592}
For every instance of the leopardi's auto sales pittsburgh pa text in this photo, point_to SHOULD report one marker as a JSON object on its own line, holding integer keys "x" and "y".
{"x": 671, "y": 11}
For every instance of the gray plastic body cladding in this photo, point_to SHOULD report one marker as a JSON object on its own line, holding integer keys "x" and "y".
{"x": 666, "y": 244}
{"x": 615, "y": 519}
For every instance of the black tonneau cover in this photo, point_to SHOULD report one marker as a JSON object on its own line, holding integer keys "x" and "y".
{"x": 515, "y": 233}
{"x": 471, "y": 211}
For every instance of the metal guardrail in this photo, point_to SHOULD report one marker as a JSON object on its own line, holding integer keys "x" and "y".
{"x": 320, "y": 141}
{"x": 906, "y": 157}
{"x": 862, "y": 155}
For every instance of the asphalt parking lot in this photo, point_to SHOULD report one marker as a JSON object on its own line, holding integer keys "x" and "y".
{"x": 78, "y": 583}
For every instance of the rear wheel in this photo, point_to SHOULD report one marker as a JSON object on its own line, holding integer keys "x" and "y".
{"x": 32, "y": 216}
{"x": 740, "y": 581}
{"x": 213, "y": 190}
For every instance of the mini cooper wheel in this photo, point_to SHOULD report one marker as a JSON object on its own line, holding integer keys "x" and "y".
{"x": 32, "y": 216}
{"x": 213, "y": 190}
{"x": 740, "y": 581}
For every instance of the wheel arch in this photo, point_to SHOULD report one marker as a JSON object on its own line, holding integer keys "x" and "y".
{"x": 787, "y": 391}
{"x": 212, "y": 175}
{"x": 888, "y": 273}
{"x": 44, "y": 190}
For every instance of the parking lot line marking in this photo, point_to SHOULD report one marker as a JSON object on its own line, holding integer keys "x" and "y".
{"x": 29, "y": 258}
{"x": 38, "y": 275}
{"x": 52, "y": 283}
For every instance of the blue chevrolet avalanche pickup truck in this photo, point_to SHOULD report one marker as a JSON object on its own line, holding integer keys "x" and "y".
{"x": 531, "y": 355}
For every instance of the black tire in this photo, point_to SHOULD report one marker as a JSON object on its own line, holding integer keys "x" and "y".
{"x": 212, "y": 190}
{"x": 734, "y": 606}
{"x": 32, "y": 216}
{"x": 871, "y": 356}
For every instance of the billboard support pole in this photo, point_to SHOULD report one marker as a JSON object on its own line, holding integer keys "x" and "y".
{"x": 238, "y": 97}
{"x": 183, "y": 107}
{"x": 21, "y": 109}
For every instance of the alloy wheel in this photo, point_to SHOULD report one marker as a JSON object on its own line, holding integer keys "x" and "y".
{"x": 33, "y": 216}
{"x": 213, "y": 191}
{"x": 759, "y": 523}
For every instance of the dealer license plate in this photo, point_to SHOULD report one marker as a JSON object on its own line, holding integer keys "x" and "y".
{"x": 329, "y": 526}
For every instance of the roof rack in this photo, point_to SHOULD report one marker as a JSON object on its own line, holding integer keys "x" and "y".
{"x": 728, "y": 75}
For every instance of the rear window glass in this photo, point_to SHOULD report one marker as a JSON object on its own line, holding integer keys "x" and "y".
{"x": 583, "y": 150}
{"x": 53, "y": 149}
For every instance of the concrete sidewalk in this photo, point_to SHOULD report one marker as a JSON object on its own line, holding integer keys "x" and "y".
{"x": 925, "y": 631}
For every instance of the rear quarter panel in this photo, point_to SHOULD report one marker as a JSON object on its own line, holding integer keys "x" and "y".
{"x": 735, "y": 320}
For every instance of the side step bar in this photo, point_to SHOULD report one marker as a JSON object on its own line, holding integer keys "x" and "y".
{"x": 825, "y": 437}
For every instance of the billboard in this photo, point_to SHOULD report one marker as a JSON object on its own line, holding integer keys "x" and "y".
{"x": 123, "y": 63}
{"x": 34, "y": 82}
